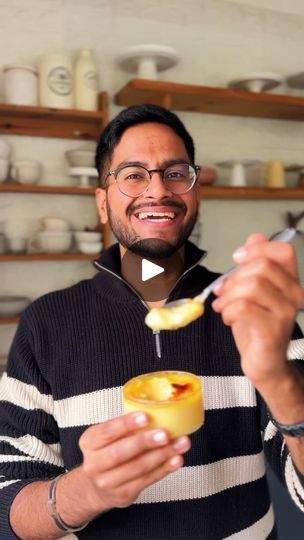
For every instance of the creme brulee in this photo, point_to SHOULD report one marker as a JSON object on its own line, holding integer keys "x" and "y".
{"x": 173, "y": 400}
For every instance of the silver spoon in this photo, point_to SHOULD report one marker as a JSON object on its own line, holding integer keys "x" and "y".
{"x": 156, "y": 313}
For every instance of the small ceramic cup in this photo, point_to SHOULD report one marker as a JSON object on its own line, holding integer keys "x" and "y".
{"x": 26, "y": 171}
{"x": 16, "y": 244}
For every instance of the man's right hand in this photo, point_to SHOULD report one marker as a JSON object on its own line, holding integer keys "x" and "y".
{"x": 120, "y": 459}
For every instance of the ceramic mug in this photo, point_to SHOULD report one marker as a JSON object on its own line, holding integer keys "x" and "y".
{"x": 26, "y": 171}
{"x": 275, "y": 174}
{"x": 16, "y": 244}
{"x": 2, "y": 243}
{"x": 238, "y": 177}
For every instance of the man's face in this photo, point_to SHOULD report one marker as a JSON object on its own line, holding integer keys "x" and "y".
{"x": 152, "y": 145}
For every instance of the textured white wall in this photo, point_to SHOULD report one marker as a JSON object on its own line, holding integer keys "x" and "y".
{"x": 217, "y": 40}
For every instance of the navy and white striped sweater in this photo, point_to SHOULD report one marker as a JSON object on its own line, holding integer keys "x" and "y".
{"x": 73, "y": 351}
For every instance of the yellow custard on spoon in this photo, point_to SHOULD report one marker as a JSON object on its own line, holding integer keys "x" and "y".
{"x": 172, "y": 318}
{"x": 181, "y": 312}
{"x": 173, "y": 400}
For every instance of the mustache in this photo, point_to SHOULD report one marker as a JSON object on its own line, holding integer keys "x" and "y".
{"x": 136, "y": 207}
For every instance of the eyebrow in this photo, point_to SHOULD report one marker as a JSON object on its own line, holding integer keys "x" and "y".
{"x": 166, "y": 163}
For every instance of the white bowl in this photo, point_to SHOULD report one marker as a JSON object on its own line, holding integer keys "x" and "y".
{"x": 5, "y": 149}
{"x": 4, "y": 166}
{"x": 54, "y": 241}
{"x": 80, "y": 158}
{"x": 90, "y": 247}
{"x": 87, "y": 236}
{"x": 55, "y": 224}
{"x": 10, "y": 306}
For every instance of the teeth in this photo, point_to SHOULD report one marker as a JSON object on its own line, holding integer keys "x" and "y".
{"x": 159, "y": 215}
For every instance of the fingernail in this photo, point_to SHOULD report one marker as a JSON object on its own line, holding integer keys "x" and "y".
{"x": 140, "y": 419}
{"x": 240, "y": 254}
{"x": 181, "y": 444}
{"x": 176, "y": 461}
{"x": 160, "y": 437}
{"x": 215, "y": 305}
{"x": 218, "y": 288}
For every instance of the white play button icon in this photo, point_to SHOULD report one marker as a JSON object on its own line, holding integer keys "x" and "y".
{"x": 150, "y": 270}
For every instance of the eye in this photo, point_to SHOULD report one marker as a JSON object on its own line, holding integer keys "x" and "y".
{"x": 132, "y": 175}
{"x": 175, "y": 174}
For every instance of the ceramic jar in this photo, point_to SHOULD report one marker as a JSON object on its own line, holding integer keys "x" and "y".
{"x": 56, "y": 81}
{"x": 20, "y": 85}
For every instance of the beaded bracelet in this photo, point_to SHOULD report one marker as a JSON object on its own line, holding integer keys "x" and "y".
{"x": 53, "y": 511}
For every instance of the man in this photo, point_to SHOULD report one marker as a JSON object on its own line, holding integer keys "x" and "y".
{"x": 70, "y": 459}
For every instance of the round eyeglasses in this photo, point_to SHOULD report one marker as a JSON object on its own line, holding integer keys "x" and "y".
{"x": 134, "y": 180}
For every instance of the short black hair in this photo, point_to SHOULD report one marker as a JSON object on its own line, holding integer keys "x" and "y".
{"x": 132, "y": 116}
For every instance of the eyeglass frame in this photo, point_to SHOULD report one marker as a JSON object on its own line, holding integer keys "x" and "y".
{"x": 115, "y": 172}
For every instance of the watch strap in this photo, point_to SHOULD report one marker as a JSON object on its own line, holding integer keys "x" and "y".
{"x": 292, "y": 430}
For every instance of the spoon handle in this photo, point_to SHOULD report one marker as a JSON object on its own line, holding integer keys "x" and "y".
{"x": 283, "y": 236}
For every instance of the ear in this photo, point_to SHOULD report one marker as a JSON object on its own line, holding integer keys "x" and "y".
{"x": 101, "y": 202}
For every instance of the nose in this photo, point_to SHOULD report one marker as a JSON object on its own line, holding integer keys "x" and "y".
{"x": 157, "y": 187}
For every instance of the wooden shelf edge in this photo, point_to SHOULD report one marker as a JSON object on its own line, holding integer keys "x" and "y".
{"x": 9, "y": 320}
{"x": 48, "y": 122}
{"x": 34, "y": 188}
{"x": 250, "y": 193}
{"x": 10, "y": 257}
{"x": 211, "y": 100}
{"x": 46, "y": 112}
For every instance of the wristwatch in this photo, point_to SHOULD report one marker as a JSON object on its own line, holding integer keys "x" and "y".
{"x": 292, "y": 430}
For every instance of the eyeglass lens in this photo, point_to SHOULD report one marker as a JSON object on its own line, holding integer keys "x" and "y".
{"x": 134, "y": 180}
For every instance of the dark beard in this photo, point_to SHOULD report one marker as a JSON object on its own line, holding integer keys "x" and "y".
{"x": 151, "y": 248}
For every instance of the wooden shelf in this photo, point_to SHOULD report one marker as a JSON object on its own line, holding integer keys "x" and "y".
{"x": 250, "y": 193}
{"x": 9, "y": 320}
{"x": 210, "y": 100}
{"x": 34, "y": 188}
{"x": 11, "y": 257}
{"x": 45, "y": 122}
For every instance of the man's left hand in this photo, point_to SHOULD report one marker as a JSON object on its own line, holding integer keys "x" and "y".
{"x": 260, "y": 301}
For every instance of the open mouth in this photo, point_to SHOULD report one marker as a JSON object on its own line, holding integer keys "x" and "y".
{"x": 157, "y": 217}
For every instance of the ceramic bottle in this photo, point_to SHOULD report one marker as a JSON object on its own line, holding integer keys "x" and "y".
{"x": 86, "y": 81}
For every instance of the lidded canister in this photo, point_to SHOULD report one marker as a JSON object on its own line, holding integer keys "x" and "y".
{"x": 86, "y": 81}
{"x": 56, "y": 81}
{"x": 20, "y": 85}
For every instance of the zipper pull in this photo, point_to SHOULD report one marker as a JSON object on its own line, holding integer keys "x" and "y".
{"x": 157, "y": 342}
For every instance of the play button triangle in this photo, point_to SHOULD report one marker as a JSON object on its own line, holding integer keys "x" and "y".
{"x": 150, "y": 270}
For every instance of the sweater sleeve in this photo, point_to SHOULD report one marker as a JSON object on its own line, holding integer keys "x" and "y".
{"x": 276, "y": 449}
{"x": 29, "y": 438}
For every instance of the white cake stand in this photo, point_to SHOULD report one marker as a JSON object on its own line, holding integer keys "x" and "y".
{"x": 147, "y": 60}
{"x": 237, "y": 166}
{"x": 84, "y": 174}
{"x": 257, "y": 82}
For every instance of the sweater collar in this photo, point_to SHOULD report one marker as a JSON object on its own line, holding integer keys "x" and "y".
{"x": 109, "y": 282}
{"x": 110, "y": 258}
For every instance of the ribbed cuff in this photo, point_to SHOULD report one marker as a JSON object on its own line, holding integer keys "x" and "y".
{"x": 7, "y": 495}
